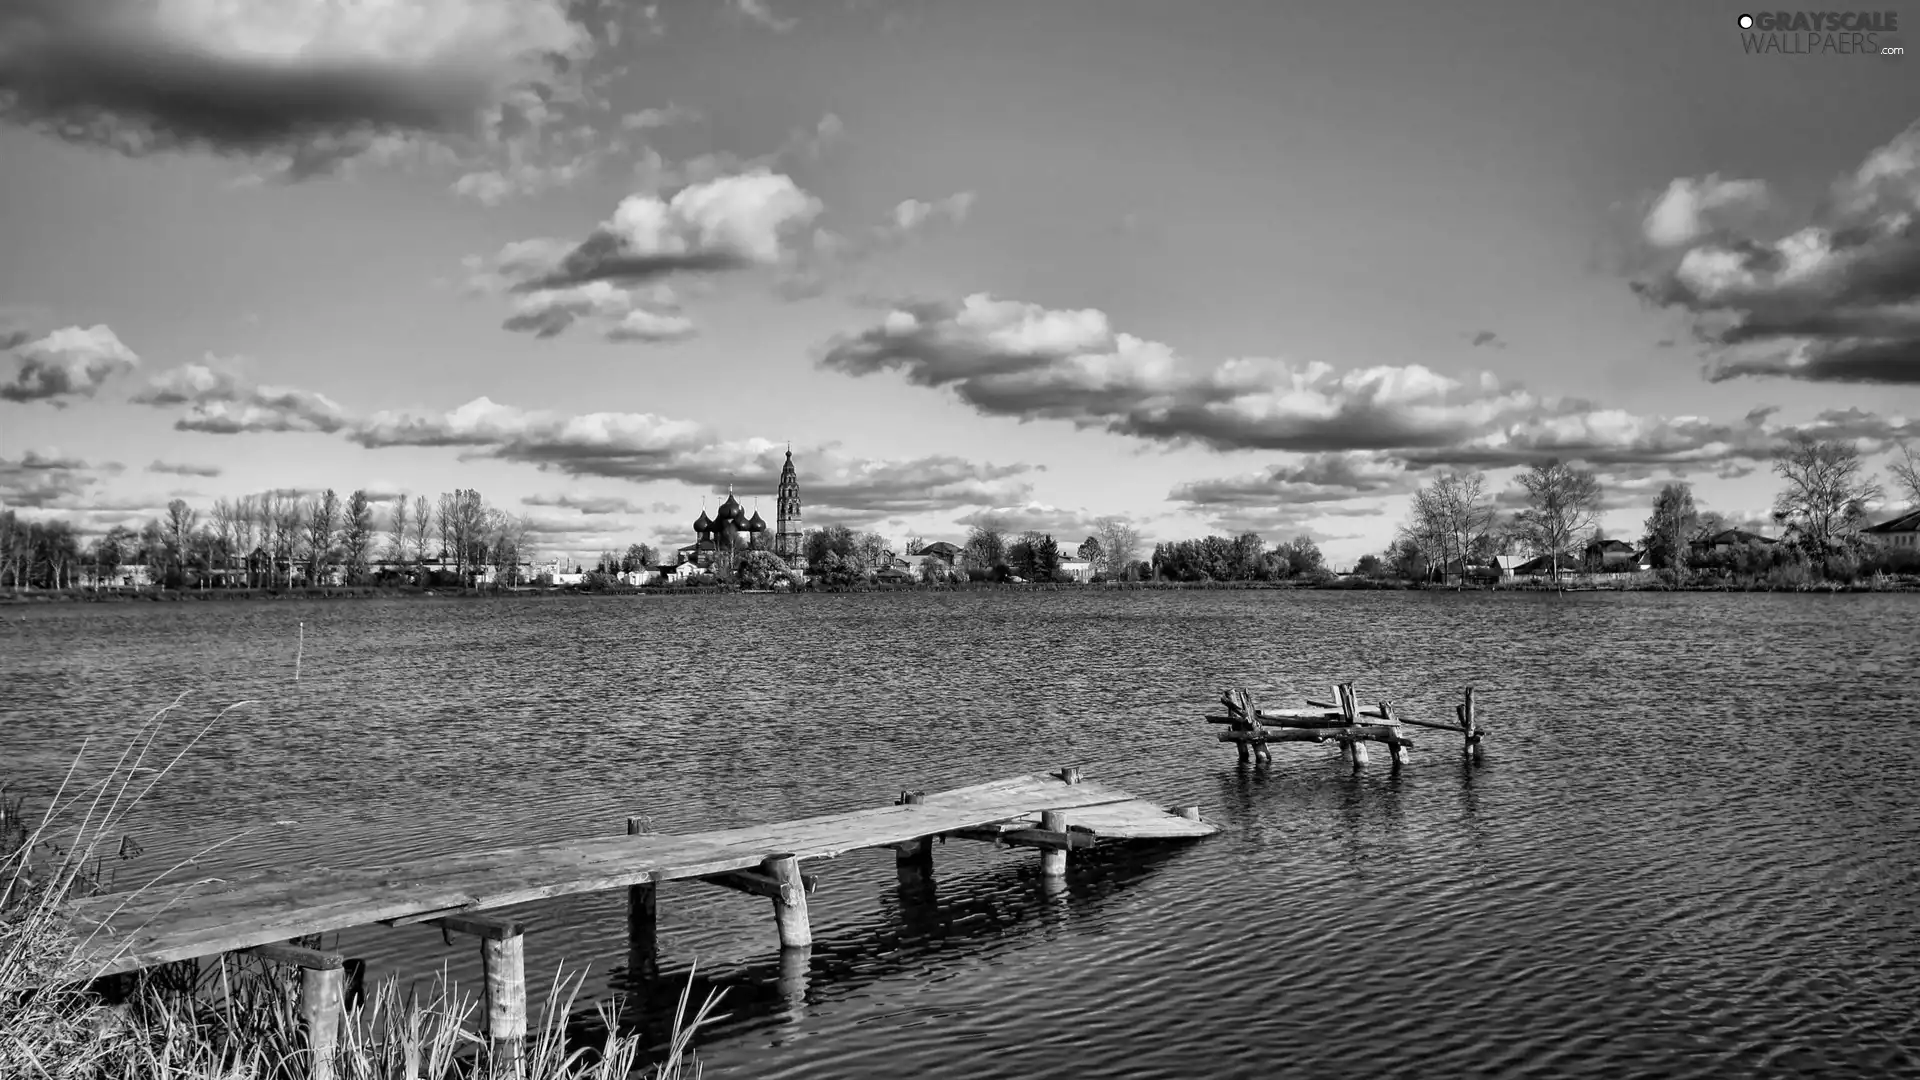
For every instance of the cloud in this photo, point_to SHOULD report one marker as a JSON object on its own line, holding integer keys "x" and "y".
{"x": 722, "y": 224}
{"x": 759, "y": 13}
{"x": 184, "y": 469}
{"x": 1837, "y": 300}
{"x": 1007, "y": 358}
{"x": 308, "y": 81}
{"x": 69, "y": 363}
{"x": 1486, "y": 339}
{"x": 651, "y": 314}
{"x": 665, "y": 116}
{"x": 1317, "y": 478}
{"x": 44, "y": 479}
{"x": 655, "y": 174}
{"x": 1067, "y": 527}
{"x": 1691, "y": 208}
{"x": 588, "y": 505}
{"x": 808, "y": 270}
{"x": 223, "y": 403}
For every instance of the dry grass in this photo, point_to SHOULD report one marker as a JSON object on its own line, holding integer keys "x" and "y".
{"x": 231, "y": 1017}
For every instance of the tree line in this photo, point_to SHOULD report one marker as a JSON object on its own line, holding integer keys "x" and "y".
{"x": 275, "y": 538}
{"x": 1824, "y": 502}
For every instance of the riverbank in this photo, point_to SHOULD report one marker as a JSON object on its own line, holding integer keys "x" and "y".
{"x": 1575, "y": 583}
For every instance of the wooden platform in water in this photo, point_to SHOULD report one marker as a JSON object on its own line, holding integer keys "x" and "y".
{"x": 127, "y": 931}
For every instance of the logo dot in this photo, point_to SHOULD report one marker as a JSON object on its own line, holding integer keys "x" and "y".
{"x": 1746, "y": 22}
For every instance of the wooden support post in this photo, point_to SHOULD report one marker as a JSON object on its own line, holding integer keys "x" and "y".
{"x": 322, "y": 997}
{"x": 1053, "y": 861}
{"x": 1191, "y": 813}
{"x": 1350, "y": 709}
{"x": 1469, "y": 726}
{"x": 643, "y": 921}
{"x": 913, "y": 860}
{"x": 790, "y": 907}
{"x": 1239, "y": 724}
{"x": 1396, "y": 749}
{"x": 323, "y": 982}
{"x": 505, "y": 963}
{"x": 1346, "y": 745}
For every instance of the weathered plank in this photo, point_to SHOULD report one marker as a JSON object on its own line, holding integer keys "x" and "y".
{"x": 1135, "y": 819}
{"x": 177, "y": 921}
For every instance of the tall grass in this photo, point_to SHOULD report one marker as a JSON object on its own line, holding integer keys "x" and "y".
{"x": 231, "y": 1017}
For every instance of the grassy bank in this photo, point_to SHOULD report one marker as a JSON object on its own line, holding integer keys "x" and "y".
{"x": 232, "y": 1017}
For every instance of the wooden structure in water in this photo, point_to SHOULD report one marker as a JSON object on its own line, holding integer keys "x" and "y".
{"x": 1342, "y": 721}
{"x": 264, "y": 913}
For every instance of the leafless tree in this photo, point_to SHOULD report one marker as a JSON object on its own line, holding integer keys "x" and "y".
{"x": 1828, "y": 491}
{"x": 1119, "y": 547}
{"x": 445, "y": 517}
{"x": 323, "y": 530}
{"x": 289, "y": 517}
{"x": 422, "y": 527}
{"x": 986, "y": 545}
{"x": 1451, "y": 514}
{"x": 1562, "y": 503}
{"x": 221, "y": 521}
{"x": 246, "y": 515}
{"x": 357, "y": 535}
{"x": 397, "y": 529}
{"x": 181, "y": 522}
{"x": 1906, "y": 473}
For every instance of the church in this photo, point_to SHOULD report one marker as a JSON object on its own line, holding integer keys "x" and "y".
{"x": 720, "y": 541}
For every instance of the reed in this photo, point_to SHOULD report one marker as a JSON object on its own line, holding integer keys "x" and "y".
{"x": 231, "y": 1017}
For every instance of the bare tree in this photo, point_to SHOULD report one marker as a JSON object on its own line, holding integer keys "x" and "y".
{"x": 288, "y": 518}
{"x": 221, "y": 525}
{"x": 446, "y": 519}
{"x": 1562, "y": 503}
{"x": 1906, "y": 473}
{"x": 422, "y": 527}
{"x": 397, "y": 529}
{"x": 1828, "y": 491}
{"x": 1119, "y": 546}
{"x": 986, "y": 545}
{"x": 1451, "y": 514}
{"x": 323, "y": 531}
{"x": 357, "y": 536}
{"x": 246, "y": 515}
{"x": 180, "y": 524}
{"x": 1673, "y": 522}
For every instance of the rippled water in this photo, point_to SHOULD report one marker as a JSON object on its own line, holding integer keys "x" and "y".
{"x": 1690, "y": 850}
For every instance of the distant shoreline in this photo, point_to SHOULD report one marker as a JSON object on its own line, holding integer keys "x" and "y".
{"x": 21, "y": 598}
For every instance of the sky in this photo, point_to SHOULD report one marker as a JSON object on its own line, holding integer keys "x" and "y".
{"x": 1211, "y": 266}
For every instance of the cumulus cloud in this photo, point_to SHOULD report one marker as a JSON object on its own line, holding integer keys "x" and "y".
{"x": 312, "y": 81}
{"x": 808, "y": 270}
{"x": 653, "y": 173}
{"x": 42, "y": 479}
{"x": 1837, "y": 300}
{"x": 721, "y": 224}
{"x": 1690, "y": 208}
{"x": 649, "y": 314}
{"x": 221, "y": 402}
{"x": 1008, "y": 358}
{"x": 1066, "y": 526}
{"x": 1486, "y": 339}
{"x": 69, "y": 363}
{"x": 1316, "y": 478}
{"x": 184, "y": 469}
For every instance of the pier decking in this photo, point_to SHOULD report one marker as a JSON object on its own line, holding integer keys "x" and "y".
{"x": 264, "y": 911}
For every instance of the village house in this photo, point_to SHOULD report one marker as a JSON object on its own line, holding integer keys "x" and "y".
{"x": 1076, "y": 570}
{"x": 123, "y": 576}
{"x": 1902, "y": 532}
{"x": 1609, "y": 556}
{"x": 1728, "y": 539}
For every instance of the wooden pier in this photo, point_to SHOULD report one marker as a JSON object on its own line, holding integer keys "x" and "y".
{"x": 1342, "y": 721}
{"x": 265, "y": 913}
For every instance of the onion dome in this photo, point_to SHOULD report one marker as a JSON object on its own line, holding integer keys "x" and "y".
{"x": 756, "y": 523}
{"x": 703, "y": 523}
{"x": 730, "y": 509}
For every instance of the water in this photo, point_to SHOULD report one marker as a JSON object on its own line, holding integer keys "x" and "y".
{"x": 1690, "y": 850}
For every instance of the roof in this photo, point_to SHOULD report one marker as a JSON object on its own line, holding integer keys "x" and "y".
{"x": 1611, "y": 545}
{"x": 1907, "y": 522}
{"x": 1544, "y": 564}
{"x": 1737, "y": 536}
{"x": 939, "y": 547}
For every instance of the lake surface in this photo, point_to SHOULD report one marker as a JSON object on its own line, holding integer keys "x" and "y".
{"x": 1690, "y": 849}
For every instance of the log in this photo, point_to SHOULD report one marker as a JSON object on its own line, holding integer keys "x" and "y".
{"x": 643, "y": 920}
{"x": 484, "y": 927}
{"x": 1469, "y": 725}
{"x": 504, "y": 960}
{"x": 322, "y": 999}
{"x": 1380, "y": 733}
{"x": 757, "y": 883}
{"x": 1053, "y": 861}
{"x": 1076, "y": 837}
{"x": 790, "y": 907}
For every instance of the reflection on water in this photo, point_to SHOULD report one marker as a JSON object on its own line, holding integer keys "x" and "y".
{"x": 1690, "y": 850}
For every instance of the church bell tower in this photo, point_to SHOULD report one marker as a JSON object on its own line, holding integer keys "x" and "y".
{"x": 786, "y": 537}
